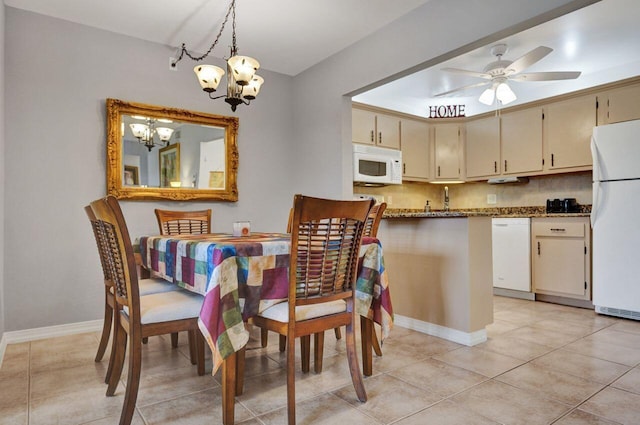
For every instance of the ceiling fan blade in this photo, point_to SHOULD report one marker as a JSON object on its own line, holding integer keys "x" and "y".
{"x": 484, "y": 83}
{"x": 546, "y": 76}
{"x": 527, "y": 60}
{"x": 468, "y": 73}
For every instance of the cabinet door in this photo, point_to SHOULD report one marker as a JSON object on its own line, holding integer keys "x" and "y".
{"x": 521, "y": 136}
{"x": 567, "y": 128}
{"x": 559, "y": 266}
{"x": 447, "y": 151}
{"x": 623, "y": 104}
{"x": 363, "y": 126}
{"x": 388, "y": 128}
{"x": 483, "y": 147}
{"x": 414, "y": 136}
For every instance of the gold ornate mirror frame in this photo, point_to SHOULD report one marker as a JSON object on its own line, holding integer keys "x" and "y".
{"x": 115, "y": 169}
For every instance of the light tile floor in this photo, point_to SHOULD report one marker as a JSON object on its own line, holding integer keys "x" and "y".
{"x": 543, "y": 364}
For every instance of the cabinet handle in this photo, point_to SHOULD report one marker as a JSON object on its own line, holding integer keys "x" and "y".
{"x": 495, "y": 166}
{"x": 552, "y": 160}
{"x": 505, "y": 165}
{"x": 538, "y": 248}
{"x": 404, "y": 168}
{"x": 372, "y": 136}
{"x": 558, "y": 229}
{"x": 438, "y": 171}
{"x": 380, "y": 137}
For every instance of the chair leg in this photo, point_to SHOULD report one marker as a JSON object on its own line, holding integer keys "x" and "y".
{"x": 114, "y": 347}
{"x": 305, "y": 352}
{"x": 133, "y": 382}
{"x": 199, "y": 342}
{"x": 338, "y": 333}
{"x": 354, "y": 368}
{"x": 193, "y": 347}
{"x": 282, "y": 343}
{"x": 376, "y": 343}
{"x": 318, "y": 348}
{"x": 291, "y": 380}
{"x": 174, "y": 340}
{"x": 117, "y": 358}
{"x": 240, "y": 356}
{"x": 365, "y": 336}
{"x": 264, "y": 337}
{"x": 106, "y": 326}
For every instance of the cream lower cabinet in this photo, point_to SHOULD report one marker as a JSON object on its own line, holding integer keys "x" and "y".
{"x": 561, "y": 252}
{"x": 482, "y": 143}
{"x": 446, "y": 148}
{"x": 414, "y": 136}
{"x": 567, "y": 130}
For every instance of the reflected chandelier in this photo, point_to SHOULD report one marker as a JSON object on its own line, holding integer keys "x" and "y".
{"x": 243, "y": 85}
{"x": 145, "y": 132}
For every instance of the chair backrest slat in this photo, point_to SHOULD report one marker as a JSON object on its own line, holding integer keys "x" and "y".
{"x": 325, "y": 240}
{"x": 373, "y": 220}
{"x": 184, "y": 222}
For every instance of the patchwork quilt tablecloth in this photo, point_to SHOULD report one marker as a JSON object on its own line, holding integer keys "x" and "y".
{"x": 242, "y": 276}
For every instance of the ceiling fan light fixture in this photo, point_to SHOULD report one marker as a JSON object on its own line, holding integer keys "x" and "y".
{"x": 487, "y": 97}
{"x": 504, "y": 93}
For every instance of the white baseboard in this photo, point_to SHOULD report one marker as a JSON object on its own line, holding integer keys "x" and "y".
{"x": 465, "y": 338}
{"x": 15, "y": 337}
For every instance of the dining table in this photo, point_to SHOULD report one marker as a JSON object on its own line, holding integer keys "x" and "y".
{"x": 241, "y": 276}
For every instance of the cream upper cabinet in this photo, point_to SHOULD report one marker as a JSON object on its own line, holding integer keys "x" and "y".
{"x": 372, "y": 128}
{"x": 363, "y": 126}
{"x": 446, "y": 146}
{"x": 414, "y": 136}
{"x": 482, "y": 144}
{"x": 567, "y": 129}
{"x": 623, "y": 104}
{"x": 521, "y": 133}
{"x": 561, "y": 258}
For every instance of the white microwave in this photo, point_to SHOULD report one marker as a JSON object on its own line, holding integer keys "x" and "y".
{"x": 376, "y": 166}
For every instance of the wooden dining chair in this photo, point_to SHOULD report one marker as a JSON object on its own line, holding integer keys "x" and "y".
{"x": 146, "y": 287}
{"x": 137, "y": 317}
{"x": 184, "y": 222}
{"x": 325, "y": 240}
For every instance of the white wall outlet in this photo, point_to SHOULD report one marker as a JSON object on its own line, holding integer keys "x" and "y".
{"x": 492, "y": 199}
{"x": 173, "y": 66}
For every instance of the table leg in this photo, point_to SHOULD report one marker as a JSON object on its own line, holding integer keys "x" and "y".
{"x": 229, "y": 388}
{"x": 366, "y": 329}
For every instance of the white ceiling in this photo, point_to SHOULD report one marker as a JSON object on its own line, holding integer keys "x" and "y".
{"x": 605, "y": 39}
{"x": 602, "y": 41}
{"x": 286, "y": 36}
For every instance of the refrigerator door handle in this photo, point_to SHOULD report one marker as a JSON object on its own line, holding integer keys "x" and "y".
{"x": 594, "y": 207}
{"x": 595, "y": 160}
{"x": 596, "y": 181}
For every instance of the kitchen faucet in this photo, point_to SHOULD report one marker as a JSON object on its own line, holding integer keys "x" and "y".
{"x": 446, "y": 198}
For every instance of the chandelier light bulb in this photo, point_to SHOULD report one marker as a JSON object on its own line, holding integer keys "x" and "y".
{"x": 164, "y": 133}
{"x": 504, "y": 93}
{"x": 487, "y": 96}
{"x": 139, "y": 130}
{"x": 243, "y": 68}
{"x": 251, "y": 90}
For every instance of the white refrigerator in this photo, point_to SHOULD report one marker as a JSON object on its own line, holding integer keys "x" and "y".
{"x": 615, "y": 219}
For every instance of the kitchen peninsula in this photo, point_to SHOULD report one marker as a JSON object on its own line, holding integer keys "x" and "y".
{"x": 440, "y": 263}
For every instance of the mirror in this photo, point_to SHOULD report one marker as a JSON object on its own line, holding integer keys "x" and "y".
{"x": 156, "y": 152}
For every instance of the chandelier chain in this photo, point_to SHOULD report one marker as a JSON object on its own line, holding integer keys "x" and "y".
{"x": 184, "y": 51}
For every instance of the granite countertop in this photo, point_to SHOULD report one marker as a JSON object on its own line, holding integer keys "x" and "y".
{"x": 515, "y": 212}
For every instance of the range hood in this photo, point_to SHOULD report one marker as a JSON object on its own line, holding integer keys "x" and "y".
{"x": 503, "y": 180}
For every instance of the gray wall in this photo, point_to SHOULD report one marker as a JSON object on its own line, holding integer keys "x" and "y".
{"x": 58, "y": 77}
{"x": 294, "y": 138}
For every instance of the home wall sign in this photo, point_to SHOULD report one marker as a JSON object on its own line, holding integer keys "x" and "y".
{"x": 446, "y": 111}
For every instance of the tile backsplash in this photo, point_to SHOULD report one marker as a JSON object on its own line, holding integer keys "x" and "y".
{"x": 474, "y": 195}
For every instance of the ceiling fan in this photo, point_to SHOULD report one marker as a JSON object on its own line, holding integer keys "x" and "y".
{"x": 500, "y": 71}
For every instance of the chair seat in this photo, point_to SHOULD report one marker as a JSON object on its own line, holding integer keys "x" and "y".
{"x": 280, "y": 312}
{"x": 169, "y": 306}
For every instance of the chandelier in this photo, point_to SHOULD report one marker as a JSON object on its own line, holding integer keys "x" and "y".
{"x": 145, "y": 132}
{"x": 243, "y": 85}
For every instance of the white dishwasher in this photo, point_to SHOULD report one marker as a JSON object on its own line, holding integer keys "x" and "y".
{"x": 511, "y": 244}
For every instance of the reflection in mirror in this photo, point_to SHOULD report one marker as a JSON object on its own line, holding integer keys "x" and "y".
{"x": 165, "y": 153}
